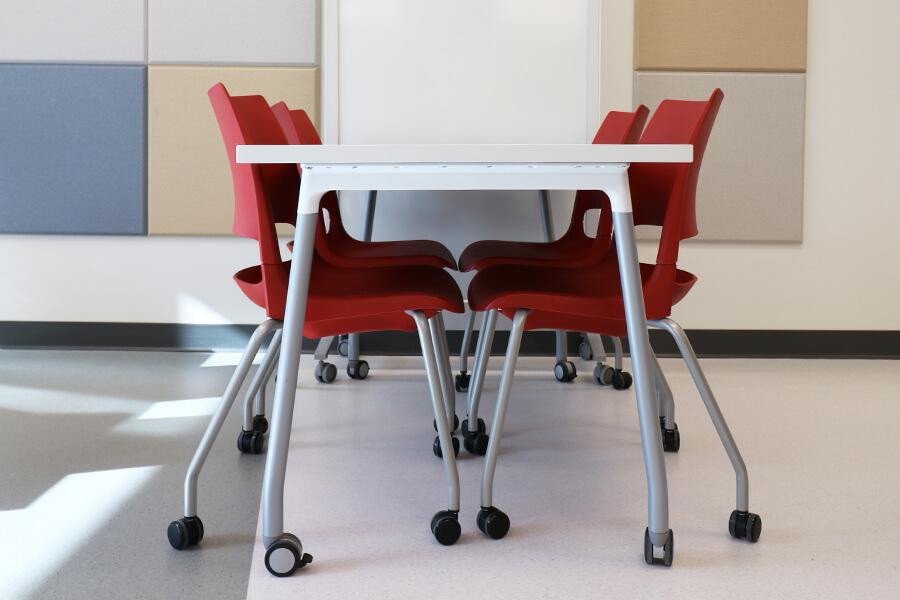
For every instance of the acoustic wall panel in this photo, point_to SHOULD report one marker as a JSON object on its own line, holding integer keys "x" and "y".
{"x": 233, "y": 31}
{"x": 62, "y": 31}
{"x": 720, "y": 35}
{"x": 189, "y": 177}
{"x": 751, "y": 183}
{"x": 72, "y": 149}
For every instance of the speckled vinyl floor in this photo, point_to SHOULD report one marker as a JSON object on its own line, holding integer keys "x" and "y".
{"x": 94, "y": 447}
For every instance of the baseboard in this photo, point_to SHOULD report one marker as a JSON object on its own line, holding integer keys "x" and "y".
{"x": 707, "y": 342}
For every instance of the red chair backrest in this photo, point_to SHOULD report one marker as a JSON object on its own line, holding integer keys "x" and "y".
{"x": 263, "y": 194}
{"x": 665, "y": 194}
{"x": 617, "y": 128}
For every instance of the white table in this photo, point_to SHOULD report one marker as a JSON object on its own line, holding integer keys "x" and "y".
{"x": 464, "y": 167}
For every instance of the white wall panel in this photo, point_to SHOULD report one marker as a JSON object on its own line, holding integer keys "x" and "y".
{"x": 469, "y": 71}
{"x": 233, "y": 31}
{"x": 66, "y": 31}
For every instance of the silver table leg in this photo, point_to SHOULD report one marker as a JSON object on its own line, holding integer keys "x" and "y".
{"x": 642, "y": 365}
{"x": 353, "y": 338}
{"x": 547, "y": 225}
{"x": 288, "y": 365}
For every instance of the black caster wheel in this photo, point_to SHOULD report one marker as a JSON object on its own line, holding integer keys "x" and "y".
{"x": 285, "y": 555}
{"x": 436, "y": 447}
{"x": 621, "y": 380}
{"x": 482, "y": 428}
{"x": 455, "y": 424}
{"x": 357, "y": 369}
{"x": 565, "y": 371}
{"x": 585, "y": 351}
{"x": 343, "y": 346}
{"x": 260, "y": 424}
{"x": 185, "y": 532}
{"x": 493, "y": 522}
{"x": 670, "y": 437}
{"x": 462, "y": 381}
{"x": 445, "y": 527}
{"x": 745, "y": 526}
{"x": 325, "y": 372}
{"x": 477, "y": 443}
{"x": 668, "y": 550}
{"x": 604, "y": 374}
{"x": 250, "y": 442}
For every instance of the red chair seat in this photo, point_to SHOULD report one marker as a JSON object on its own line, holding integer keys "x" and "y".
{"x": 488, "y": 253}
{"x": 345, "y": 300}
{"x": 585, "y": 299}
{"x": 360, "y": 254}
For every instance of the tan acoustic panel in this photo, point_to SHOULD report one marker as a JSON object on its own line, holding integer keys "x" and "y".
{"x": 720, "y": 35}
{"x": 751, "y": 182}
{"x": 190, "y": 190}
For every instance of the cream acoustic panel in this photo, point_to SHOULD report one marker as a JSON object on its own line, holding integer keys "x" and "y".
{"x": 190, "y": 190}
{"x": 62, "y": 31}
{"x": 233, "y": 32}
{"x": 720, "y": 35}
{"x": 751, "y": 182}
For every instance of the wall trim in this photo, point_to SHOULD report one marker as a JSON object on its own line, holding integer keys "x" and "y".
{"x": 722, "y": 343}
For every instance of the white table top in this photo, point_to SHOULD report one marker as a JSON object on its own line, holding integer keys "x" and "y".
{"x": 467, "y": 154}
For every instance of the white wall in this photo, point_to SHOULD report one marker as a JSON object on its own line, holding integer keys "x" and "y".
{"x": 843, "y": 276}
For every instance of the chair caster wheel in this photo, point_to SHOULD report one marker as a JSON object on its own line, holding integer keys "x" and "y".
{"x": 445, "y": 527}
{"x": 670, "y": 437}
{"x": 455, "y": 424}
{"x": 260, "y": 424}
{"x": 185, "y": 532}
{"x": 285, "y": 555}
{"x": 357, "y": 369}
{"x": 604, "y": 374}
{"x": 585, "y": 351}
{"x": 250, "y": 442}
{"x": 343, "y": 346}
{"x": 493, "y": 522}
{"x": 462, "y": 381}
{"x": 745, "y": 526}
{"x": 668, "y": 549}
{"x": 621, "y": 380}
{"x": 476, "y": 443}
{"x": 325, "y": 372}
{"x": 482, "y": 428}
{"x": 436, "y": 447}
{"x": 565, "y": 371}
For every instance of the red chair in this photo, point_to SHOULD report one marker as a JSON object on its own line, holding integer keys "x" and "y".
{"x": 575, "y": 249}
{"x": 589, "y": 298}
{"x": 339, "y": 248}
{"x": 341, "y": 300}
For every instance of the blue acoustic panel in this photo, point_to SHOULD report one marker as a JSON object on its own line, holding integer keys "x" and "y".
{"x": 73, "y": 149}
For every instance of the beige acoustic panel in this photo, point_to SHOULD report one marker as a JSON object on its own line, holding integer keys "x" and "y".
{"x": 190, "y": 191}
{"x": 751, "y": 182}
{"x": 720, "y": 35}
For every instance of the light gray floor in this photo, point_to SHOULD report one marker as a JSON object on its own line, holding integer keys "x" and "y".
{"x": 820, "y": 439}
{"x": 93, "y": 453}
{"x": 87, "y": 487}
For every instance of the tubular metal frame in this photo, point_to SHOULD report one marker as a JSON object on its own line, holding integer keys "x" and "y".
{"x": 742, "y": 480}
{"x": 228, "y": 398}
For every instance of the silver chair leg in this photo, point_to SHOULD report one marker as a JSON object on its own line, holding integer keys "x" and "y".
{"x": 482, "y": 356}
{"x": 617, "y": 350}
{"x": 323, "y": 347}
{"x": 466, "y": 343}
{"x": 712, "y": 407}
{"x": 254, "y": 396}
{"x": 665, "y": 400}
{"x": 491, "y": 520}
{"x": 444, "y": 370}
{"x": 444, "y": 524}
{"x": 218, "y": 419}
{"x": 259, "y": 406}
